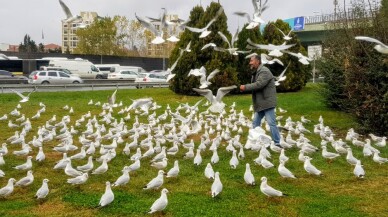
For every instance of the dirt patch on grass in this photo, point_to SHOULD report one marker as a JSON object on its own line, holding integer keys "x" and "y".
{"x": 58, "y": 208}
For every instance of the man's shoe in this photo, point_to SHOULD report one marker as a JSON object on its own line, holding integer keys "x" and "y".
{"x": 278, "y": 145}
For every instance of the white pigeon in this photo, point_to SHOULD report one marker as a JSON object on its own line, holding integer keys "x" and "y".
{"x": 88, "y": 166}
{"x": 198, "y": 158}
{"x": 266, "y": 59}
{"x": 174, "y": 171}
{"x": 311, "y": 169}
{"x": 258, "y": 9}
{"x": 281, "y": 77}
{"x": 102, "y": 168}
{"x": 380, "y": 47}
{"x": 135, "y": 165}
{"x": 70, "y": 171}
{"x": 158, "y": 33}
{"x": 268, "y": 190}
{"x": 350, "y": 158}
{"x": 8, "y": 189}
{"x": 78, "y": 179}
{"x": 24, "y": 98}
{"x": 275, "y": 50}
{"x": 169, "y": 70}
{"x": 161, "y": 203}
{"x": 26, "y": 166}
{"x": 217, "y": 106}
{"x": 328, "y": 155}
{"x": 43, "y": 190}
{"x": 358, "y": 171}
{"x": 156, "y": 182}
{"x": 284, "y": 172}
{"x": 209, "y": 172}
{"x": 61, "y": 164}
{"x": 248, "y": 176}
{"x": 107, "y": 197}
{"x": 217, "y": 185}
{"x": 40, "y": 156}
{"x": 233, "y": 162}
{"x": 301, "y": 58}
{"x": 27, "y": 180}
{"x": 123, "y": 179}
{"x": 112, "y": 99}
{"x": 69, "y": 15}
{"x": 231, "y": 49}
{"x": 160, "y": 164}
{"x": 378, "y": 159}
{"x": 285, "y": 37}
{"x": 205, "y": 81}
{"x": 204, "y": 31}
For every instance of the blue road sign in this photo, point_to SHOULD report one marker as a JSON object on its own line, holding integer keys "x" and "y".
{"x": 298, "y": 23}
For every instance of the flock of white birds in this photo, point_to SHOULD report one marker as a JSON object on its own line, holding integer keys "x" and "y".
{"x": 164, "y": 135}
{"x": 154, "y": 141}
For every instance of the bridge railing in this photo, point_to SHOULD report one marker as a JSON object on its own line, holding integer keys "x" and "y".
{"x": 350, "y": 14}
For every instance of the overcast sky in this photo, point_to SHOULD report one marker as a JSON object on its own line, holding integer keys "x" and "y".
{"x": 20, "y": 17}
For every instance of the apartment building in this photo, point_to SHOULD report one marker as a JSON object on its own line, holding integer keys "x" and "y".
{"x": 69, "y": 29}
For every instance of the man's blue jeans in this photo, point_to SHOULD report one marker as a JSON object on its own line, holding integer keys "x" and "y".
{"x": 271, "y": 120}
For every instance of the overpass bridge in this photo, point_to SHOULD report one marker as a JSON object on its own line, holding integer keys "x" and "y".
{"x": 316, "y": 28}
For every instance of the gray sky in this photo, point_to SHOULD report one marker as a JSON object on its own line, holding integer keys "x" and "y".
{"x": 20, "y": 17}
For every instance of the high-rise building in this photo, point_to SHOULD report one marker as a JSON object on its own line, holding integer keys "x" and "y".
{"x": 69, "y": 29}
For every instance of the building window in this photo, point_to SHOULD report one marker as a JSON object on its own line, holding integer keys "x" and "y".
{"x": 64, "y": 25}
{"x": 64, "y": 31}
{"x": 65, "y": 38}
{"x": 65, "y": 43}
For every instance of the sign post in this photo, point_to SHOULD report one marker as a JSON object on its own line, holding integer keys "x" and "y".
{"x": 314, "y": 52}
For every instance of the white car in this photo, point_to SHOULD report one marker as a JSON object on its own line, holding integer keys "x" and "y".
{"x": 151, "y": 77}
{"x": 123, "y": 74}
{"x": 53, "y": 77}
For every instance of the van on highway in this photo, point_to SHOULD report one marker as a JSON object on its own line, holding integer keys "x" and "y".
{"x": 136, "y": 69}
{"x": 84, "y": 68}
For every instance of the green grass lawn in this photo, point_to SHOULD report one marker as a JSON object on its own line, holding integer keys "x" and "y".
{"x": 336, "y": 193}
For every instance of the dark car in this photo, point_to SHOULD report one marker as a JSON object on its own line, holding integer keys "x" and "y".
{"x": 7, "y": 77}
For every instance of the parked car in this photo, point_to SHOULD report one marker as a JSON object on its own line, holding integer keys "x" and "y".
{"x": 8, "y": 75}
{"x": 123, "y": 74}
{"x": 151, "y": 77}
{"x": 53, "y": 77}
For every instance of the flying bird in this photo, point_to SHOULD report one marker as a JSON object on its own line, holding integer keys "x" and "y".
{"x": 24, "y": 98}
{"x": 380, "y": 46}
{"x": 275, "y": 50}
{"x": 217, "y": 106}
{"x": 256, "y": 19}
{"x": 151, "y": 27}
{"x": 205, "y": 81}
{"x": 285, "y": 37}
{"x": 303, "y": 59}
{"x": 69, "y": 15}
{"x": 204, "y": 31}
{"x": 281, "y": 77}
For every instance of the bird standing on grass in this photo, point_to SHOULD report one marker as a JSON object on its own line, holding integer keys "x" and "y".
{"x": 161, "y": 203}
{"x": 268, "y": 190}
{"x": 107, "y": 197}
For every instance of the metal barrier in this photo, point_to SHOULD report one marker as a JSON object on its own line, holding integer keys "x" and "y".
{"x": 76, "y": 87}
